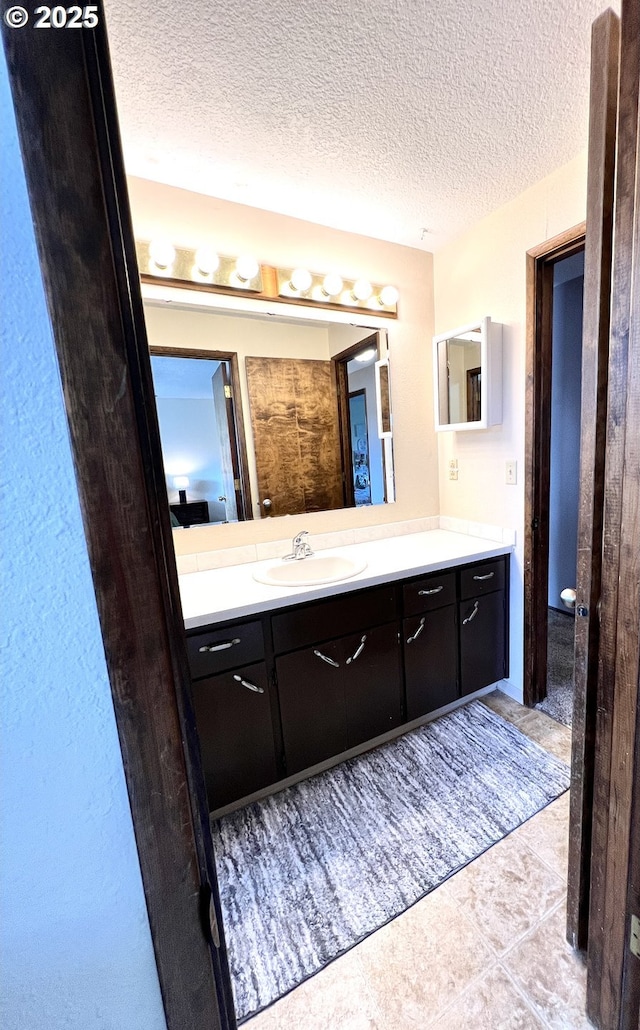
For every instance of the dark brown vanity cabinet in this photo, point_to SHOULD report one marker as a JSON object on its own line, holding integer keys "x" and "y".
{"x": 233, "y": 711}
{"x": 430, "y": 641}
{"x": 277, "y": 694}
{"x": 340, "y": 692}
{"x": 482, "y": 616}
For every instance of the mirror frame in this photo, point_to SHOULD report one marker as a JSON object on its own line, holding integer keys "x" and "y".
{"x": 490, "y": 382}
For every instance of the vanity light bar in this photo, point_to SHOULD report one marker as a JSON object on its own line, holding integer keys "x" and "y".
{"x": 330, "y": 288}
{"x": 161, "y": 259}
{"x": 203, "y": 266}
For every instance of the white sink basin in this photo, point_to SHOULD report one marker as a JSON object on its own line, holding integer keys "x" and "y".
{"x": 307, "y": 572}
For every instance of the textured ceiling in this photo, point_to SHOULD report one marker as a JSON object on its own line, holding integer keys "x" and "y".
{"x": 383, "y": 119}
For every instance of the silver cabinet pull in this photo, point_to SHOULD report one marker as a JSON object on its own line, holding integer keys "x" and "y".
{"x": 358, "y": 651}
{"x": 248, "y": 684}
{"x": 418, "y": 631}
{"x": 473, "y": 614}
{"x": 325, "y": 658}
{"x": 224, "y": 645}
{"x": 434, "y": 590}
{"x": 489, "y": 575}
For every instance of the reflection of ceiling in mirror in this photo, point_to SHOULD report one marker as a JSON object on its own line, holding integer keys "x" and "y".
{"x": 182, "y": 377}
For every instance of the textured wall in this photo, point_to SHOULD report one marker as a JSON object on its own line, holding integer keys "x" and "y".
{"x": 76, "y": 952}
{"x": 484, "y": 273}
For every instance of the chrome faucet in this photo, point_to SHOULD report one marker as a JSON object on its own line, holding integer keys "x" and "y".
{"x": 300, "y": 548}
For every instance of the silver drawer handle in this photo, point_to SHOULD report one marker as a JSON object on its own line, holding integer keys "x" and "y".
{"x": 473, "y": 614}
{"x": 359, "y": 650}
{"x": 434, "y": 590}
{"x": 489, "y": 575}
{"x": 325, "y": 658}
{"x": 223, "y": 646}
{"x": 417, "y": 632}
{"x": 248, "y": 684}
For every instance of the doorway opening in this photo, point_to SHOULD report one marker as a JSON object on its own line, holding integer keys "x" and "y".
{"x": 555, "y": 278}
{"x": 564, "y": 484}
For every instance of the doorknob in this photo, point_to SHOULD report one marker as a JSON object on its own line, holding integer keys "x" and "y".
{"x": 568, "y": 597}
{"x": 266, "y": 503}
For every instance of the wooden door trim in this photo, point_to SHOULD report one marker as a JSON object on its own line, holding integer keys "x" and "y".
{"x": 240, "y": 457}
{"x": 540, "y": 261}
{"x": 617, "y": 752}
{"x": 339, "y": 365}
{"x": 605, "y": 39}
{"x": 67, "y": 126}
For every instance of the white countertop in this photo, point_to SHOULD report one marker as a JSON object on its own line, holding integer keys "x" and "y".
{"x": 232, "y": 592}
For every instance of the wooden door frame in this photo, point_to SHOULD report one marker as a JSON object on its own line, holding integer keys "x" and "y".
{"x": 239, "y": 442}
{"x": 613, "y": 974}
{"x": 605, "y": 43}
{"x": 66, "y": 116}
{"x": 540, "y": 262}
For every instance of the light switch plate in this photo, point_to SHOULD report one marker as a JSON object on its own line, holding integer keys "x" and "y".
{"x": 511, "y": 473}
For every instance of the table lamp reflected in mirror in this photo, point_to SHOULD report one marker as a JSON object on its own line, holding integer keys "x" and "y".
{"x": 181, "y": 483}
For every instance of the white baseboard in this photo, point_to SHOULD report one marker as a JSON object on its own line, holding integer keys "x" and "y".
{"x": 511, "y": 690}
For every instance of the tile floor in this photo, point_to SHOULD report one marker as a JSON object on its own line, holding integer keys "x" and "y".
{"x": 486, "y": 950}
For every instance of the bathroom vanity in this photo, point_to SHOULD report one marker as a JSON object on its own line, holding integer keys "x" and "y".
{"x": 306, "y": 680}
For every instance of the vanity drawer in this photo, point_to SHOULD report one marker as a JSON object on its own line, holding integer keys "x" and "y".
{"x": 429, "y": 592}
{"x": 476, "y": 580}
{"x": 225, "y": 648}
{"x": 324, "y": 620}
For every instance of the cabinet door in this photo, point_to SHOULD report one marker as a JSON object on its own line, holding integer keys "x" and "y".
{"x": 236, "y": 733}
{"x": 430, "y": 660}
{"x": 372, "y": 683}
{"x": 482, "y": 641}
{"x": 312, "y": 704}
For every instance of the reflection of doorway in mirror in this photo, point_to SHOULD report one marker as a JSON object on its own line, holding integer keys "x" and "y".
{"x": 360, "y": 447}
{"x": 355, "y": 375}
{"x": 194, "y": 403}
{"x": 473, "y": 394}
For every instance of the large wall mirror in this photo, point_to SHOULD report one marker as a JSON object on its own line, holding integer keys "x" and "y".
{"x": 264, "y": 415}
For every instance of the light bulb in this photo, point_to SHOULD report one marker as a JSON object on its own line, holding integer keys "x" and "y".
{"x": 247, "y": 268}
{"x": 366, "y": 355}
{"x": 301, "y": 280}
{"x": 332, "y": 284}
{"x": 362, "y": 289}
{"x": 162, "y": 253}
{"x": 207, "y": 260}
{"x": 388, "y": 296}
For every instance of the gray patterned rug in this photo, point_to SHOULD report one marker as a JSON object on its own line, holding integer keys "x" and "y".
{"x": 309, "y": 872}
{"x": 558, "y": 703}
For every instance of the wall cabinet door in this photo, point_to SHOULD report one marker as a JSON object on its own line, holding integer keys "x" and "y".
{"x": 482, "y": 641}
{"x": 430, "y": 660}
{"x": 233, "y": 715}
{"x": 312, "y": 704}
{"x": 372, "y": 683}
